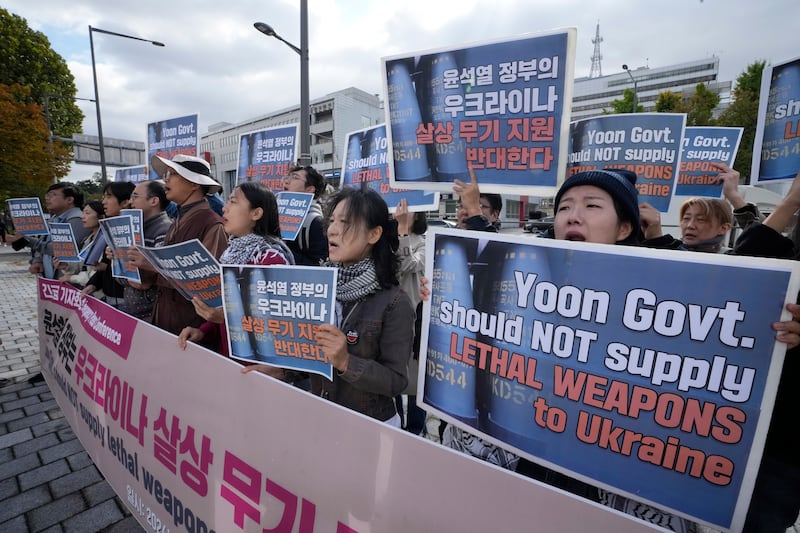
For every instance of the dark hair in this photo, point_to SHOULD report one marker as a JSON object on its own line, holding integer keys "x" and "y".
{"x": 495, "y": 201}
{"x": 368, "y": 208}
{"x": 121, "y": 190}
{"x": 313, "y": 178}
{"x": 420, "y": 223}
{"x": 259, "y": 196}
{"x": 97, "y": 207}
{"x": 155, "y": 189}
{"x": 69, "y": 191}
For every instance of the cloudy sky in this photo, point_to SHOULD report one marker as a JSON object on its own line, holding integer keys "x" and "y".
{"x": 217, "y": 65}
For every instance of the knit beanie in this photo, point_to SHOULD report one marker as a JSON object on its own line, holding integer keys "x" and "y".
{"x": 619, "y": 183}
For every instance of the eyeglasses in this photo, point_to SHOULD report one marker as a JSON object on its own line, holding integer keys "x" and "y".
{"x": 53, "y": 194}
{"x": 294, "y": 176}
{"x": 134, "y": 196}
{"x": 169, "y": 173}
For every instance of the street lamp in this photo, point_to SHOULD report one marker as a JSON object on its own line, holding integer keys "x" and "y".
{"x": 635, "y": 88}
{"x": 97, "y": 96}
{"x": 305, "y": 112}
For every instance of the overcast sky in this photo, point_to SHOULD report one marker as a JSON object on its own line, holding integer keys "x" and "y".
{"x": 215, "y": 64}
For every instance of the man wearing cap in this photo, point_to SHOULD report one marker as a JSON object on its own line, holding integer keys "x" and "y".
{"x": 188, "y": 182}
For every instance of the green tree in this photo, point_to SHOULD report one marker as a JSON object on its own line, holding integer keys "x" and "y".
{"x": 700, "y": 107}
{"x": 669, "y": 102}
{"x": 26, "y": 58}
{"x": 28, "y": 161}
{"x": 743, "y": 112}
{"x": 625, "y": 105}
{"x": 92, "y": 188}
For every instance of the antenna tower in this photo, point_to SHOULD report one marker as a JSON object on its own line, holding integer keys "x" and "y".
{"x": 597, "y": 69}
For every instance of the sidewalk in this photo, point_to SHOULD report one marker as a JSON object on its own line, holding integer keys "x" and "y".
{"x": 47, "y": 482}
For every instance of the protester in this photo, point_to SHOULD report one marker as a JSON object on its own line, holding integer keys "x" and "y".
{"x": 775, "y": 503}
{"x": 187, "y": 183}
{"x": 151, "y": 198}
{"x": 64, "y": 202}
{"x": 704, "y": 222}
{"x": 481, "y": 216}
{"x": 370, "y": 346}
{"x": 78, "y": 274}
{"x": 311, "y": 245}
{"x": 251, "y": 219}
{"x": 116, "y": 197}
{"x": 597, "y": 206}
{"x": 411, "y": 228}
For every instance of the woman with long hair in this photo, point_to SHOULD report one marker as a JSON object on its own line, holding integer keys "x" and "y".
{"x": 250, "y": 218}
{"x": 371, "y": 343}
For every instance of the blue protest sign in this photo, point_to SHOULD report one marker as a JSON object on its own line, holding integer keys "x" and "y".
{"x": 272, "y": 314}
{"x": 648, "y": 144}
{"x": 267, "y": 155}
{"x": 167, "y": 138}
{"x": 635, "y": 370}
{"x": 190, "y": 268}
{"x": 703, "y": 146}
{"x": 366, "y": 165}
{"x": 498, "y": 107}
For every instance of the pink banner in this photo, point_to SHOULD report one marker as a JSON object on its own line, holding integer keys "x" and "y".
{"x": 191, "y": 444}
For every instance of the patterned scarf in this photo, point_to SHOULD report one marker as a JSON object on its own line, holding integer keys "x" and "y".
{"x": 357, "y": 281}
{"x": 248, "y": 249}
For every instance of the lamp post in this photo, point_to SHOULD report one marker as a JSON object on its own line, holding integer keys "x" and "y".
{"x": 97, "y": 96}
{"x": 52, "y": 137}
{"x": 305, "y": 112}
{"x": 635, "y": 88}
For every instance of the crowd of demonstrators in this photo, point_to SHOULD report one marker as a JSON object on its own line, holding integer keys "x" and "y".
{"x": 411, "y": 228}
{"x": 251, "y": 219}
{"x": 311, "y": 245}
{"x": 188, "y": 182}
{"x": 151, "y": 198}
{"x": 78, "y": 273}
{"x": 116, "y": 197}
{"x": 64, "y": 202}
{"x": 370, "y": 345}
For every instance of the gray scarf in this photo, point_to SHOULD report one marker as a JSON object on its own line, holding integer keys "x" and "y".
{"x": 250, "y": 248}
{"x": 356, "y": 282}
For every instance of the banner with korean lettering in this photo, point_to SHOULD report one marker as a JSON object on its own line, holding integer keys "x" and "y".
{"x": 702, "y": 148}
{"x": 64, "y": 246}
{"x": 776, "y": 149}
{"x": 190, "y": 268}
{"x": 272, "y": 314}
{"x": 135, "y": 174}
{"x": 172, "y": 136}
{"x": 500, "y": 107}
{"x": 267, "y": 155}
{"x": 137, "y": 224}
{"x": 648, "y": 144}
{"x": 636, "y": 370}
{"x": 366, "y": 164}
{"x": 118, "y": 235}
{"x": 27, "y": 216}
{"x": 189, "y": 443}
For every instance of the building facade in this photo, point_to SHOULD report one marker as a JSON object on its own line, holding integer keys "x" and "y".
{"x": 332, "y": 118}
{"x": 594, "y": 95}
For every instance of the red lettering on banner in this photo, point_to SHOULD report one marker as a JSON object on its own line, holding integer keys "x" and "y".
{"x": 498, "y": 361}
{"x": 788, "y": 133}
{"x": 241, "y": 487}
